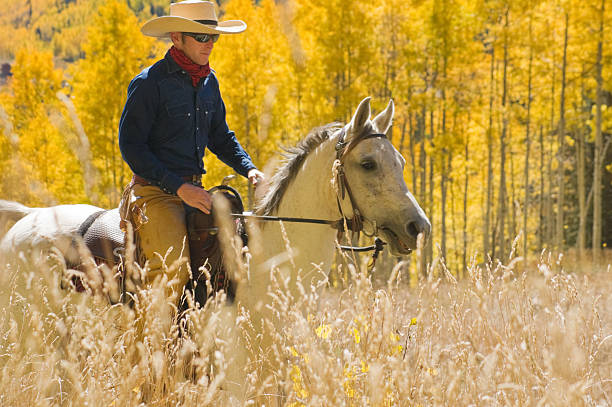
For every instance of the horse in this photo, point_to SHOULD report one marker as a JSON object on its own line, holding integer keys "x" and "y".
{"x": 350, "y": 175}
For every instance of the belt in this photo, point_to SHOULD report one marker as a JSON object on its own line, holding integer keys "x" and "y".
{"x": 192, "y": 179}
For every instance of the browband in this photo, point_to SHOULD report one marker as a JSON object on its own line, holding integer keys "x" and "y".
{"x": 341, "y": 144}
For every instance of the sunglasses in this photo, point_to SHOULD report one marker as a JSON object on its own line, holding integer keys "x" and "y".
{"x": 203, "y": 37}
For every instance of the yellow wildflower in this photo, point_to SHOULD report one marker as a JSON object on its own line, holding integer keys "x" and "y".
{"x": 298, "y": 383}
{"x": 348, "y": 383}
{"x": 295, "y": 353}
{"x": 348, "y": 372}
{"x": 323, "y": 331}
{"x": 356, "y": 335}
{"x": 348, "y": 389}
{"x": 397, "y": 348}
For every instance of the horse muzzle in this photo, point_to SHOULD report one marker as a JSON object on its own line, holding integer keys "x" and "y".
{"x": 402, "y": 239}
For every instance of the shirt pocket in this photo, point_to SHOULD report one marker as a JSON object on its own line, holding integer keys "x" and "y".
{"x": 179, "y": 122}
{"x": 178, "y": 111}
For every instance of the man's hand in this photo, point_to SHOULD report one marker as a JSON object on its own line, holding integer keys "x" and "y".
{"x": 195, "y": 196}
{"x": 256, "y": 176}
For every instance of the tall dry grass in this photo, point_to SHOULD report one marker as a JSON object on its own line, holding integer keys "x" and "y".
{"x": 500, "y": 336}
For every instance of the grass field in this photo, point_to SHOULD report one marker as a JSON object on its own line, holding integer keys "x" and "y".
{"x": 499, "y": 336}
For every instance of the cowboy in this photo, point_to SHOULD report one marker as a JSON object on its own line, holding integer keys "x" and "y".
{"x": 173, "y": 112}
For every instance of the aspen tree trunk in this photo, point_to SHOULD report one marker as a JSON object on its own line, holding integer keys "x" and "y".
{"x": 502, "y": 148}
{"x": 465, "y": 200}
{"x": 453, "y": 195}
{"x": 486, "y": 235}
{"x": 541, "y": 200}
{"x": 443, "y": 192}
{"x": 431, "y": 186}
{"x": 411, "y": 136}
{"x": 422, "y": 156}
{"x": 527, "y": 201}
{"x": 582, "y": 208}
{"x": 550, "y": 229}
{"x": 114, "y": 168}
{"x": 445, "y": 153}
{"x": 559, "y": 229}
{"x": 423, "y": 180}
{"x": 598, "y": 157}
{"x": 548, "y": 213}
{"x": 403, "y": 136}
{"x": 453, "y": 219}
{"x": 513, "y": 202}
{"x": 580, "y": 174}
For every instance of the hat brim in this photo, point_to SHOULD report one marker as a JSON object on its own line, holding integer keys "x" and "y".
{"x": 163, "y": 26}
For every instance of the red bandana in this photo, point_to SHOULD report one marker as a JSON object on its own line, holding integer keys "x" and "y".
{"x": 196, "y": 71}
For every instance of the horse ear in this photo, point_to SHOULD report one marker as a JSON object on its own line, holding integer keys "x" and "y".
{"x": 361, "y": 116}
{"x": 382, "y": 122}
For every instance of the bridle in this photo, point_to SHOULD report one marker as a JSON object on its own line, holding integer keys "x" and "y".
{"x": 354, "y": 223}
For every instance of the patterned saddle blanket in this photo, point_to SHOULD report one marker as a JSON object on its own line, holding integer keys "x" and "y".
{"x": 103, "y": 236}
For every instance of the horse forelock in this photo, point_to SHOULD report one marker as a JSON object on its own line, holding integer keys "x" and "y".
{"x": 368, "y": 128}
{"x": 293, "y": 159}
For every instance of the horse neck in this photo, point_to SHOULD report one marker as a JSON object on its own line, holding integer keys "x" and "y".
{"x": 310, "y": 195}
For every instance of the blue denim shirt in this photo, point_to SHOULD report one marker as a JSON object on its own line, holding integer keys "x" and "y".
{"x": 167, "y": 124}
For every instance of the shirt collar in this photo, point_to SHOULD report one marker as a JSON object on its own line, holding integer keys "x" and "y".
{"x": 171, "y": 63}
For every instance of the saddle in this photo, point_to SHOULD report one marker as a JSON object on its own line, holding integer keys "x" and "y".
{"x": 106, "y": 241}
{"x": 205, "y": 249}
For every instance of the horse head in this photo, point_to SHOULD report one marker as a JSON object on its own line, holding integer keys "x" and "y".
{"x": 373, "y": 170}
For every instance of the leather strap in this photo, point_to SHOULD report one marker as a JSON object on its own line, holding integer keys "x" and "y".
{"x": 342, "y": 149}
{"x": 193, "y": 179}
{"x": 84, "y": 227}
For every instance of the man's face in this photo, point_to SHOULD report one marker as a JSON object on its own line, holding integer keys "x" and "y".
{"x": 198, "y": 52}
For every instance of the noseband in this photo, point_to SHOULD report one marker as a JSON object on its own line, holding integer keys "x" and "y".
{"x": 354, "y": 224}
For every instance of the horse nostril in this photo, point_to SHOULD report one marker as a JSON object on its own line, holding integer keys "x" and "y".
{"x": 413, "y": 229}
{"x": 418, "y": 226}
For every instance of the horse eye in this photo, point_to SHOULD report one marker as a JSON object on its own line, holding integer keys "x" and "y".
{"x": 368, "y": 165}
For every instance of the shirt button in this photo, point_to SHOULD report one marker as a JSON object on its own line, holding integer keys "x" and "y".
{"x": 188, "y": 114}
{"x": 197, "y": 128}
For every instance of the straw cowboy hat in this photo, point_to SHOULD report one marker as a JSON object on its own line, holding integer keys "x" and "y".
{"x": 193, "y": 16}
